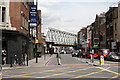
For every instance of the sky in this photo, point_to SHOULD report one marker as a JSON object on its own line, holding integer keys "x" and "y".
{"x": 71, "y": 15}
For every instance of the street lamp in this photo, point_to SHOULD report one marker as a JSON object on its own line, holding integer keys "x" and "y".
{"x": 92, "y": 41}
{"x": 36, "y": 35}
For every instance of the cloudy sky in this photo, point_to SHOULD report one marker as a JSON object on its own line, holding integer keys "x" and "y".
{"x": 71, "y": 15}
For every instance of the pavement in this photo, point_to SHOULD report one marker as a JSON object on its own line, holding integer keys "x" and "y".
{"x": 95, "y": 63}
{"x": 42, "y": 61}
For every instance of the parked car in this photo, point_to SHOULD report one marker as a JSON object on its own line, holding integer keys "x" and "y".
{"x": 75, "y": 53}
{"x": 83, "y": 54}
{"x": 113, "y": 56}
{"x": 63, "y": 51}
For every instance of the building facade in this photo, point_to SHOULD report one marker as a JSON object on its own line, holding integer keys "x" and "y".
{"x": 17, "y": 37}
{"x": 82, "y": 39}
{"x": 111, "y": 28}
{"x": 118, "y": 28}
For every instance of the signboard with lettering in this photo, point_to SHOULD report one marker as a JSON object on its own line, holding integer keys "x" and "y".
{"x": 113, "y": 45}
{"x": 33, "y": 16}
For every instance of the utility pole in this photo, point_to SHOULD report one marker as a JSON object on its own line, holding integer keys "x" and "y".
{"x": 33, "y": 24}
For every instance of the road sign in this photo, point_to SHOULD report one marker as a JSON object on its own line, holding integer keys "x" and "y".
{"x": 113, "y": 45}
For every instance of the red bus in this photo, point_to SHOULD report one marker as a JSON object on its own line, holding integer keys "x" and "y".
{"x": 95, "y": 46}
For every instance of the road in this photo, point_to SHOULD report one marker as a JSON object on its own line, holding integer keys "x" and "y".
{"x": 72, "y": 68}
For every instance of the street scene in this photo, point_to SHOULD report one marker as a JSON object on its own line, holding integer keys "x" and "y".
{"x": 61, "y": 40}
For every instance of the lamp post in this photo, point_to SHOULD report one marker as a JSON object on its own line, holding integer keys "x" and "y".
{"x": 36, "y": 35}
{"x": 92, "y": 41}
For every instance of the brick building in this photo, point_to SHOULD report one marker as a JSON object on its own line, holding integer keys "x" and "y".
{"x": 111, "y": 28}
{"x": 17, "y": 37}
{"x": 118, "y": 28}
{"x": 82, "y": 38}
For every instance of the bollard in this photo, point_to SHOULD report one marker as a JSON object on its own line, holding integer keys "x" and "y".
{"x": 11, "y": 62}
{"x": 27, "y": 59}
{"x": 101, "y": 60}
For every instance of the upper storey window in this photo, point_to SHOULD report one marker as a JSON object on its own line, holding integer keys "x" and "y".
{"x": 2, "y": 14}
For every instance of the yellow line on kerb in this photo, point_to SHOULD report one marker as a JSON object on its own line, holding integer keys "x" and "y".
{"x": 63, "y": 73}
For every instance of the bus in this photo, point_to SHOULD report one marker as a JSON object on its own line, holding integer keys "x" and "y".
{"x": 95, "y": 46}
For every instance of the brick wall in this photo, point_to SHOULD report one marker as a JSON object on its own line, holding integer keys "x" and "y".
{"x": 16, "y": 10}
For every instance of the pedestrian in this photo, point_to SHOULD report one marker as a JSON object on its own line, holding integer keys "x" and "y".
{"x": 4, "y": 56}
{"x": 80, "y": 53}
{"x": 58, "y": 58}
{"x": 16, "y": 59}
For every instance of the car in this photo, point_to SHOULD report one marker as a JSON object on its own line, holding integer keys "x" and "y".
{"x": 103, "y": 52}
{"x": 114, "y": 56}
{"x": 83, "y": 54}
{"x": 63, "y": 51}
{"x": 75, "y": 53}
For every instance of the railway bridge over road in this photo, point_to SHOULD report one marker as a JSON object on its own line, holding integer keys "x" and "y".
{"x": 60, "y": 39}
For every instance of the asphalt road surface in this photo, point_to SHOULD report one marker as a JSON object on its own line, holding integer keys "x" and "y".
{"x": 72, "y": 68}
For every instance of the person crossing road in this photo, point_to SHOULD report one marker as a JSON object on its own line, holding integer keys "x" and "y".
{"x": 58, "y": 56}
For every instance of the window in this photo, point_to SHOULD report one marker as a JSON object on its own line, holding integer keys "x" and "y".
{"x": 96, "y": 40}
{"x": 3, "y": 14}
{"x": 115, "y": 35}
{"x": 25, "y": 3}
{"x": 115, "y": 27}
{"x": 0, "y": 14}
{"x": 24, "y": 22}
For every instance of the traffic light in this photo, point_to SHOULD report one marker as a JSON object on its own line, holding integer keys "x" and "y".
{"x": 100, "y": 36}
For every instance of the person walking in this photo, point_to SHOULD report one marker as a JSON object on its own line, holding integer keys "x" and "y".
{"x": 58, "y": 58}
{"x": 4, "y": 55}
